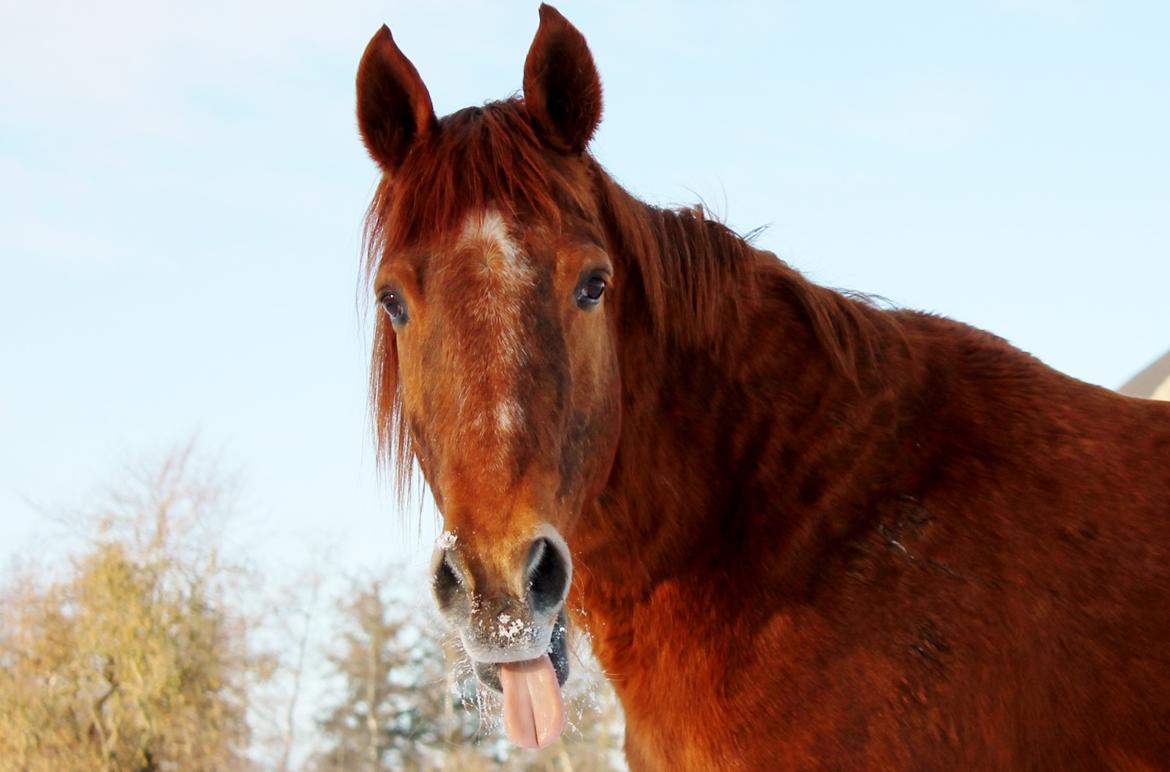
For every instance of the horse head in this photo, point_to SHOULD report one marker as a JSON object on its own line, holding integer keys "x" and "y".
{"x": 495, "y": 361}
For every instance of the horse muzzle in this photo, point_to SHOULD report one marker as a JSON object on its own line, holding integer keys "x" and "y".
{"x": 515, "y": 637}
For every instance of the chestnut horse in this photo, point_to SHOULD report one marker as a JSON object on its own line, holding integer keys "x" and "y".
{"x": 802, "y": 531}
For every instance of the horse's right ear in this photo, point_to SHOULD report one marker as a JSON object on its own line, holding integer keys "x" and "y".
{"x": 393, "y": 106}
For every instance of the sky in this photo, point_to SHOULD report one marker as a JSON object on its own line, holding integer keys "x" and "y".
{"x": 182, "y": 189}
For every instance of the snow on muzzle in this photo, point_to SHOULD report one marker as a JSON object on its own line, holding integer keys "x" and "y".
{"x": 534, "y": 708}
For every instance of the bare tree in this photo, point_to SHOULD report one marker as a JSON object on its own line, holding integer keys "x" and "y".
{"x": 392, "y": 675}
{"x": 136, "y": 659}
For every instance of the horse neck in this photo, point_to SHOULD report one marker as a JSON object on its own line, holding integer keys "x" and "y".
{"x": 760, "y": 434}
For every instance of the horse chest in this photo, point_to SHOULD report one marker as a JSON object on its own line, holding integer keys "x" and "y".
{"x": 702, "y": 693}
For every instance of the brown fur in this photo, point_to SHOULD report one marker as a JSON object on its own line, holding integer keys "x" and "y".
{"x": 806, "y": 532}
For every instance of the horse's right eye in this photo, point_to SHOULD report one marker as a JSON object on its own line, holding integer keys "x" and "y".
{"x": 394, "y": 306}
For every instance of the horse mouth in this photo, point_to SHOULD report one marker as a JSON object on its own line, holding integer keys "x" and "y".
{"x": 488, "y": 673}
{"x": 533, "y": 704}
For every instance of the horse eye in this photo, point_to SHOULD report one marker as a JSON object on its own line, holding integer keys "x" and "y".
{"x": 394, "y": 306}
{"x": 589, "y": 292}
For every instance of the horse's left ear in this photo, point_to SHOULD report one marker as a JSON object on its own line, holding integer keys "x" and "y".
{"x": 562, "y": 89}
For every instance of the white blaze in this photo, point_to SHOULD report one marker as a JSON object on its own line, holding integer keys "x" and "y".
{"x": 505, "y": 280}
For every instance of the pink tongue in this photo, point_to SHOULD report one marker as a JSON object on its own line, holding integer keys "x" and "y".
{"x": 534, "y": 713}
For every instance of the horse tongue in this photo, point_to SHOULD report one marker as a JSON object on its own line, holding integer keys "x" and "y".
{"x": 534, "y": 712}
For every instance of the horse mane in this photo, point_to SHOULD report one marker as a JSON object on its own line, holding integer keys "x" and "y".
{"x": 697, "y": 276}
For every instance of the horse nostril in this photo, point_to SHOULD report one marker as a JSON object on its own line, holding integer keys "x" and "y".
{"x": 446, "y": 583}
{"x": 548, "y": 575}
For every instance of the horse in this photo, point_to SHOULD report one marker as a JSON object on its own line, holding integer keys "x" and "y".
{"x": 802, "y": 529}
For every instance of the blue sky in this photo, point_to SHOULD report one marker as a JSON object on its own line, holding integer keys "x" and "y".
{"x": 182, "y": 185}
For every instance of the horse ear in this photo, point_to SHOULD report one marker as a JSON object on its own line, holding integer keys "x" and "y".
{"x": 562, "y": 89}
{"x": 393, "y": 106}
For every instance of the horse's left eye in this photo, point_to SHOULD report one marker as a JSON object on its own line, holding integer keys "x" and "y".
{"x": 393, "y": 305}
{"x": 589, "y": 292}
